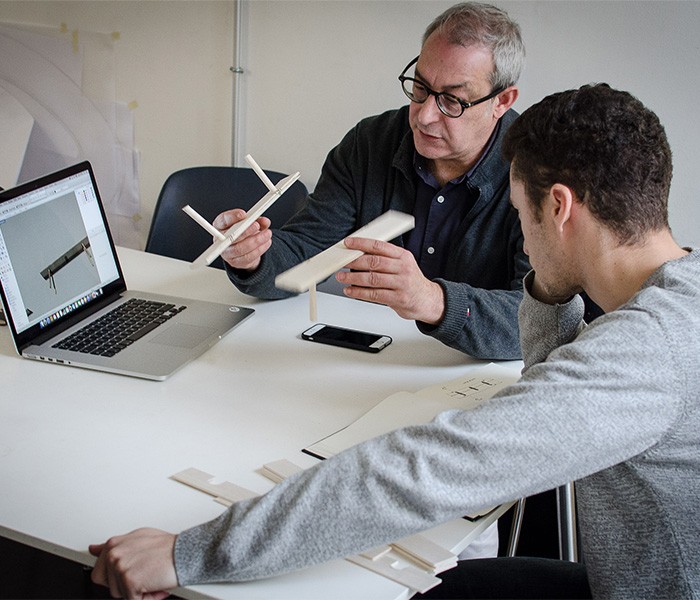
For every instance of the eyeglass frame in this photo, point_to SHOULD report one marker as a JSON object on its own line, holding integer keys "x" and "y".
{"x": 463, "y": 103}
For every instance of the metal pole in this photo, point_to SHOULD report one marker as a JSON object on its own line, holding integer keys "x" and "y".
{"x": 237, "y": 71}
{"x": 516, "y": 527}
{"x": 566, "y": 513}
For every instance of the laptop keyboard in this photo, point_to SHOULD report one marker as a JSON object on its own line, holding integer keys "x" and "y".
{"x": 120, "y": 327}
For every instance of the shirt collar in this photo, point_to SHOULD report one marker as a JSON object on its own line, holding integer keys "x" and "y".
{"x": 420, "y": 164}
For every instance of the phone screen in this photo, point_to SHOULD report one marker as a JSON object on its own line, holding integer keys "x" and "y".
{"x": 346, "y": 338}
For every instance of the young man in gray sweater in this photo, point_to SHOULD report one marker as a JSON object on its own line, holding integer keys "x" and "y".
{"x": 614, "y": 406}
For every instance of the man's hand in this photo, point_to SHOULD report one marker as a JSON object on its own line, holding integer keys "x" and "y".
{"x": 137, "y": 565}
{"x": 246, "y": 251}
{"x": 387, "y": 274}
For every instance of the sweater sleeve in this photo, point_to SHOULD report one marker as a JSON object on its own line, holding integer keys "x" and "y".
{"x": 478, "y": 322}
{"x": 545, "y": 327}
{"x": 484, "y": 322}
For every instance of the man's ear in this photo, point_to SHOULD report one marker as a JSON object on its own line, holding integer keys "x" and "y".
{"x": 560, "y": 203}
{"x": 505, "y": 100}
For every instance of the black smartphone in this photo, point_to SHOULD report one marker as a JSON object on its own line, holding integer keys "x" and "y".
{"x": 346, "y": 338}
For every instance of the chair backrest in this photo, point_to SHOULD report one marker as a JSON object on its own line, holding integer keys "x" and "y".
{"x": 210, "y": 191}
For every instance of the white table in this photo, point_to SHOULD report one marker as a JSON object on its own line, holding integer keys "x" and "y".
{"x": 87, "y": 455}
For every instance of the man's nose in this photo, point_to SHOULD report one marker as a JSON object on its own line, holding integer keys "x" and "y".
{"x": 429, "y": 110}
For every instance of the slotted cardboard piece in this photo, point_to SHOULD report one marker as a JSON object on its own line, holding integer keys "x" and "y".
{"x": 376, "y": 553}
{"x": 225, "y": 493}
{"x": 425, "y": 553}
{"x": 279, "y": 470}
{"x": 405, "y": 574}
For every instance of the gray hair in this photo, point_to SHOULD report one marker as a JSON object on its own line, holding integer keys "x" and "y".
{"x": 476, "y": 24}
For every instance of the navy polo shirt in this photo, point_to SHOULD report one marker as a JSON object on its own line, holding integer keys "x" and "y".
{"x": 439, "y": 210}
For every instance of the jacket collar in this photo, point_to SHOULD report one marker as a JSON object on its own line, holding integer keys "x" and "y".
{"x": 490, "y": 171}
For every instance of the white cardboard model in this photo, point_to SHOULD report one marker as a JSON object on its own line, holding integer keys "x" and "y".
{"x": 225, "y": 239}
{"x": 307, "y": 274}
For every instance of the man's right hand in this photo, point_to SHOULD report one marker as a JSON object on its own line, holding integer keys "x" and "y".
{"x": 246, "y": 251}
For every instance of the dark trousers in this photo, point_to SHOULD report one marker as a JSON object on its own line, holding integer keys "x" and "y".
{"x": 512, "y": 578}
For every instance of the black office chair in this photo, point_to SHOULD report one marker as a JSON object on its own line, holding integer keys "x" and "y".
{"x": 210, "y": 191}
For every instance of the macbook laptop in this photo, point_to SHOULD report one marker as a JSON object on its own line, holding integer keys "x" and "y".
{"x": 64, "y": 293}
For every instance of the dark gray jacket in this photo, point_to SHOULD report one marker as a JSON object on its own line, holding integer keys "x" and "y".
{"x": 370, "y": 172}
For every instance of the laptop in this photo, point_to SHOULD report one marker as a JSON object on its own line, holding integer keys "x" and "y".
{"x": 64, "y": 293}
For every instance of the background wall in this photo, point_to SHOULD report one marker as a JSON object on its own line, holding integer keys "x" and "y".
{"x": 312, "y": 68}
{"x": 316, "y": 67}
{"x": 172, "y": 68}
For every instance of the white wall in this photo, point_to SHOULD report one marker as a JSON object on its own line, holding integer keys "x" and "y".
{"x": 172, "y": 64}
{"x": 315, "y": 67}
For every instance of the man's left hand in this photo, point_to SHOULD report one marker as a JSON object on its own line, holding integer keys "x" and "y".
{"x": 137, "y": 565}
{"x": 387, "y": 274}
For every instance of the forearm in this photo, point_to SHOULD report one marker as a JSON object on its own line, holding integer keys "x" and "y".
{"x": 259, "y": 283}
{"x": 482, "y": 291}
{"x": 481, "y": 323}
{"x": 372, "y": 494}
{"x": 545, "y": 326}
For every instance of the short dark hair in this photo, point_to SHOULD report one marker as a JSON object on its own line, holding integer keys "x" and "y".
{"x": 606, "y": 146}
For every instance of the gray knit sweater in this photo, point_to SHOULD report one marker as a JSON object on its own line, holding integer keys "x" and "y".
{"x": 614, "y": 406}
{"x": 370, "y": 172}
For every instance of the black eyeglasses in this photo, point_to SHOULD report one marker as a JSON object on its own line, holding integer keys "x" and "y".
{"x": 449, "y": 105}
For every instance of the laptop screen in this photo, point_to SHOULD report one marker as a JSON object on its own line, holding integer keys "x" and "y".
{"x": 56, "y": 253}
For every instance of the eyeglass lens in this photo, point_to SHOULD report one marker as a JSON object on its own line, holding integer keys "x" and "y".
{"x": 417, "y": 92}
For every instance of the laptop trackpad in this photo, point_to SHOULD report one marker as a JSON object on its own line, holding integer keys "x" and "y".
{"x": 183, "y": 336}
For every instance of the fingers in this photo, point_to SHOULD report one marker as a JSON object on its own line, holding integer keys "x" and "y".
{"x": 99, "y": 571}
{"x": 228, "y": 218}
{"x": 137, "y": 565}
{"x": 368, "y": 276}
{"x": 378, "y": 279}
{"x": 102, "y": 572}
{"x": 378, "y": 257}
{"x": 373, "y": 247}
{"x": 382, "y": 265}
{"x": 387, "y": 274}
{"x": 246, "y": 251}
{"x": 95, "y": 549}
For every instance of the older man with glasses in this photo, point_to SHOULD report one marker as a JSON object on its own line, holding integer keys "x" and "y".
{"x": 459, "y": 273}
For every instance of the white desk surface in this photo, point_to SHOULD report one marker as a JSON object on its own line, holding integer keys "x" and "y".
{"x": 87, "y": 455}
